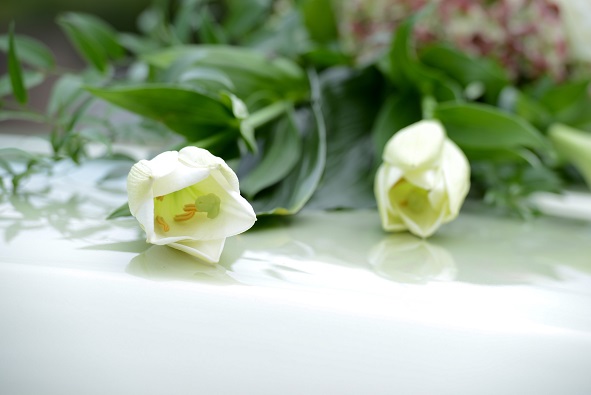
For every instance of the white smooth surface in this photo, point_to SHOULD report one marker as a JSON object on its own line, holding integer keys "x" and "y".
{"x": 324, "y": 303}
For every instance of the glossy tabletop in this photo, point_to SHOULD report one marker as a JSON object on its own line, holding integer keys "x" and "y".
{"x": 322, "y": 303}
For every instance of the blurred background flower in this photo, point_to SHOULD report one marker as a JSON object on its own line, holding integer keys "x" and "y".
{"x": 526, "y": 36}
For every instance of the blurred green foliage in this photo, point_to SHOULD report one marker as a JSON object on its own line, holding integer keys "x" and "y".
{"x": 268, "y": 85}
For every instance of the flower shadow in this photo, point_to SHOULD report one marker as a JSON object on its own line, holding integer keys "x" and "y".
{"x": 162, "y": 263}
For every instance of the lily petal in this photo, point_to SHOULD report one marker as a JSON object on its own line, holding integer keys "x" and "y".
{"x": 189, "y": 200}
{"x": 415, "y": 210}
{"x": 386, "y": 177}
{"x": 417, "y": 146}
{"x": 181, "y": 177}
{"x": 425, "y": 179}
{"x": 207, "y": 250}
{"x": 456, "y": 173}
{"x": 140, "y": 196}
{"x": 163, "y": 164}
{"x": 199, "y": 158}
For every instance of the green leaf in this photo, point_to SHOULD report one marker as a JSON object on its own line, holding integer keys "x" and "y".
{"x": 184, "y": 20}
{"x": 192, "y": 114}
{"x": 485, "y": 127}
{"x": 64, "y": 93}
{"x": 467, "y": 70}
{"x": 513, "y": 100}
{"x": 6, "y": 115}
{"x": 289, "y": 196}
{"x": 121, "y": 211}
{"x": 31, "y": 51}
{"x": 94, "y": 39}
{"x": 281, "y": 153}
{"x": 252, "y": 73}
{"x": 286, "y": 36}
{"x": 16, "y": 154}
{"x": 207, "y": 78}
{"x": 562, "y": 97}
{"x": 349, "y": 114}
{"x": 244, "y": 16}
{"x": 30, "y": 80}
{"x": 407, "y": 72}
{"x": 398, "y": 111}
{"x": 320, "y": 20}
{"x": 209, "y": 31}
{"x": 499, "y": 155}
{"x": 569, "y": 103}
{"x": 324, "y": 57}
{"x": 137, "y": 44}
{"x": 15, "y": 71}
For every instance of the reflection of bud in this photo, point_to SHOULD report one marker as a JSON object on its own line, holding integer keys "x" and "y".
{"x": 404, "y": 258}
{"x": 162, "y": 263}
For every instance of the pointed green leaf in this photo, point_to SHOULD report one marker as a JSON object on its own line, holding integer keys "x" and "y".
{"x": 289, "y": 196}
{"x": 320, "y": 20}
{"x": 244, "y": 16}
{"x": 398, "y": 111}
{"x": 407, "y": 72}
{"x": 252, "y": 73}
{"x": 31, "y": 51}
{"x": 467, "y": 70}
{"x": 94, "y": 39}
{"x": 6, "y": 115}
{"x": 30, "y": 80}
{"x": 281, "y": 153}
{"x": 349, "y": 113}
{"x": 121, "y": 211}
{"x": 485, "y": 127}
{"x": 15, "y": 71}
{"x": 192, "y": 114}
{"x": 64, "y": 93}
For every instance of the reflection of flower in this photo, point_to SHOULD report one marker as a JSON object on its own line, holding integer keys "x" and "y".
{"x": 188, "y": 200}
{"x": 161, "y": 263}
{"x": 404, "y": 258}
{"x": 423, "y": 180}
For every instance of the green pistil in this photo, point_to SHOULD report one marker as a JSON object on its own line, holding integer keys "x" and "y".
{"x": 209, "y": 204}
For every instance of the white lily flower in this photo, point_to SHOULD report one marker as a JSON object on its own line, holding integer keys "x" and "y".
{"x": 423, "y": 181}
{"x": 574, "y": 145}
{"x": 189, "y": 200}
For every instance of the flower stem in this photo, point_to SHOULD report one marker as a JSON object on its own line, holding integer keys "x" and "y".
{"x": 428, "y": 106}
{"x": 267, "y": 114}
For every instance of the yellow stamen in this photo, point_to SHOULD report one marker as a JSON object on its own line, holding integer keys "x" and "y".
{"x": 189, "y": 210}
{"x": 161, "y": 198}
{"x": 160, "y": 221}
{"x": 186, "y": 216}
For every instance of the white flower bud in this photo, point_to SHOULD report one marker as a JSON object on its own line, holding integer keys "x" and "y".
{"x": 423, "y": 181}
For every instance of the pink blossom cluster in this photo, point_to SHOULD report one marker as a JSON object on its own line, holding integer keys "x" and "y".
{"x": 526, "y": 36}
